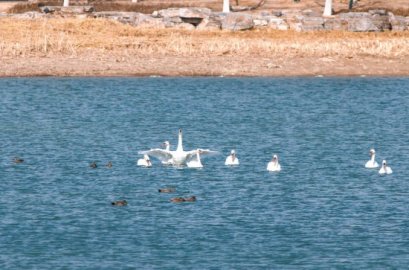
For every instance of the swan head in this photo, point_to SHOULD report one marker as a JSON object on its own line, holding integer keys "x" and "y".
{"x": 232, "y": 152}
{"x": 166, "y": 143}
{"x": 180, "y": 131}
{"x": 146, "y": 157}
{"x": 383, "y": 162}
{"x": 199, "y": 151}
{"x": 275, "y": 158}
{"x": 372, "y": 152}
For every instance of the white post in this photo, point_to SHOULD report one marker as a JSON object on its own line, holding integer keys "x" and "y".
{"x": 226, "y": 6}
{"x": 328, "y": 8}
{"x": 66, "y": 3}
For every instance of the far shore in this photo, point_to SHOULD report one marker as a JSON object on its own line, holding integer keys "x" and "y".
{"x": 74, "y": 47}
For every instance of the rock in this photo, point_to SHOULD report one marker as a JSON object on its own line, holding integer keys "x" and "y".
{"x": 198, "y": 13}
{"x": 77, "y": 9}
{"x": 398, "y": 23}
{"x": 237, "y": 22}
{"x": 310, "y": 13}
{"x": 211, "y": 23}
{"x": 381, "y": 12}
{"x": 29, "y": 15}
{"x": 336, "y": 24}
{"x": 381, "y": 22}
{"x": 150, "y": 22}
{"x": 260, "y": 22}
{"x": 124, "y": 17}
{"x": 365, "y": 22}
{"x": 276, "y": 13}
{"x": 278, "y": 24}
{"x": 312, "y": 24}
{"x": 50, "y": 9}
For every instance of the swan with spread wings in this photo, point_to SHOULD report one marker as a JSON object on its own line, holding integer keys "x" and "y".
{"x": 179, "y": 157}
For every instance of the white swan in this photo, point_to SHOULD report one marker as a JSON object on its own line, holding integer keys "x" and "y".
{"x": 273, "y": 165}
{"x": 178, "y": 157}
{"x": 385, "y": 169}
{"x": 232, "y": 159}
{"x": 195, "y": 161}
{"x": 371, "y": 164}
{"x": 144, "y": 162}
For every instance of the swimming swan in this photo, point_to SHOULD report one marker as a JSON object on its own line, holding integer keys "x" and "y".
{"x": 178, "y": 157}
{"x": 145, "y": 161}
{"x": 273, "y": 165}
{"x": 232, "y": 159}
{"x": 371, "y": 164}
{"x": 385, "y": 169}
{"x": 195, "y": 161}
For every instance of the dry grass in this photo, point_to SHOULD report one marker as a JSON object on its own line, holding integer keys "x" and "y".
{"x": 47, "y": 37}
{"x": 145, "y": 7}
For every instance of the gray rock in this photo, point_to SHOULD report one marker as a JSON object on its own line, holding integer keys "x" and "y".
{"x": 29, "y": 15}
{"x": 398, "y": 23}
{"x": 336, "y": 24}
{"x": 276, "y": 13}
{"x": 237, "y": 22}
{"x": 365, "y": 22}
{"x": 278, "y": 24}
{"x": 381, "y": 12}
{"x": 199, "y": 13}
{"x": 50, "y": 9}
{"x": 124, "y": 17}
{"x": 211, "y": 23}
{"x": 312, "y": 24}
{"x": 260, "y": 22}
{"x": 77, "y": 9}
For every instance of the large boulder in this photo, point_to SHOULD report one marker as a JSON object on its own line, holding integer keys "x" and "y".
{"x": 191, "y": 15}
{"x": 237, "y": 22}
{"x": 312, "y": 24}
{"x": 123, "y": 17}
{"x": 398, "y": 23}
{"x": 193, "y": 12}
{"x": 213, "y": 22}
{"x": 365, "y": 22}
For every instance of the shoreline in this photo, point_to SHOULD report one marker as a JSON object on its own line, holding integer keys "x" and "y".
{"x": 204, "y": 67}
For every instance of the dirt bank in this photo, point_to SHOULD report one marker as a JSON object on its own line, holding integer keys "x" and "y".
{"x": 96, "y": 47}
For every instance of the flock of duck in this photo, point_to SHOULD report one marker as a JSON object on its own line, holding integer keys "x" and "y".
{"x": 192, "y": 159}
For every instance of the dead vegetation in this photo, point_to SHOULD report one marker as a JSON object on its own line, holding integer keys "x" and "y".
{"x": 70, "y": 37}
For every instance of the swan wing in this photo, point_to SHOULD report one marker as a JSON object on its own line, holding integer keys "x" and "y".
{"x": 161, "y": 154}
{"x": 192, "y": 154}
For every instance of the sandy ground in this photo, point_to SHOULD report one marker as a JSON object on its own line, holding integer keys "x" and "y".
{"x": 202, "y": 66}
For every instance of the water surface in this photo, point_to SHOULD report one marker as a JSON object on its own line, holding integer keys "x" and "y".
{"x": 324, "y": 210}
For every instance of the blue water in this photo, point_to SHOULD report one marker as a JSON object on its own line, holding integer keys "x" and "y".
{"x": 324, "y": 210}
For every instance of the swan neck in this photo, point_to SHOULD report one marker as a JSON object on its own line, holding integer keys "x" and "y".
{"x": 373, "y": 157}
{"x": 180, "y": 143}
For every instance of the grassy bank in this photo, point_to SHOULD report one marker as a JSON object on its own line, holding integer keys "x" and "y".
{"x": 46, "y": 37}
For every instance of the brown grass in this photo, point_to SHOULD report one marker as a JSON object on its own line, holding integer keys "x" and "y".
{"x": 396, "y": 11}
{"x": 47, "y": 37}
{"x": 142, "y": 7}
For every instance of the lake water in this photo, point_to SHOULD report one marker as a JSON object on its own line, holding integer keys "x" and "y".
{"x": 324, "y": 210}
